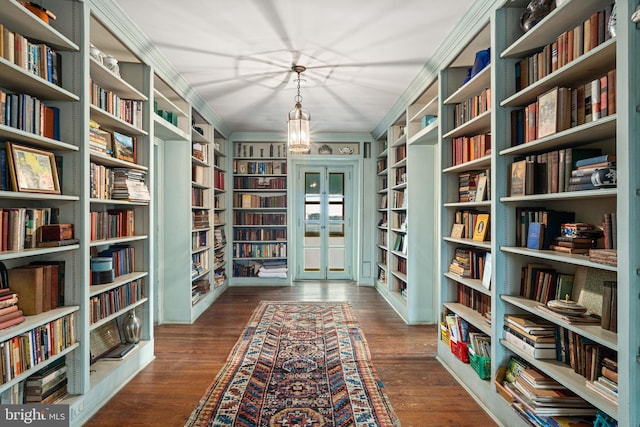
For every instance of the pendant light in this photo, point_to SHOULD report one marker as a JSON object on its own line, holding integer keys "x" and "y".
{"x": 298, "y": 138}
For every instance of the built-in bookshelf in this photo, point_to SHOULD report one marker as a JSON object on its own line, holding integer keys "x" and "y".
{"x": 55, "y": 200}
{"x": 406, "y": 213}
{"x": 527, "y": 173}
{"x": 259, "y": 212}
{"x": 382, "y": 187}
{"x": 220, "y": 211}
{"x": 190, "y": 211}
{"x": 465, "y": 216}
{"x": 119, "y": 184}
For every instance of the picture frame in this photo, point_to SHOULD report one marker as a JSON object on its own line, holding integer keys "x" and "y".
{"x": 32, "y": 170}
{"x": 518, "y": 178}
{"x": 124, "y": 147}
{"x": 457, "y": 231}
{"x": 480, "y": 230}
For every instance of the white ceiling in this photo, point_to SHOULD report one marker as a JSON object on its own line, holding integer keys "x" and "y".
{"x": 361, "y": 55}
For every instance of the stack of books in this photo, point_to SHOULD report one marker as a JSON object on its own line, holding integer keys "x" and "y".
{"x": 538, "y": 396}
{"x": 607, "y": 384}
{"x": 129, "y": 185}
{"x": 532, "y": 335}
{"x": 48, "y": 385}
{"x": 10, "y": 314}
{"x": 604, "y": 256}
{"x": 572, "y": 245}
{"x": 593, "y": 173}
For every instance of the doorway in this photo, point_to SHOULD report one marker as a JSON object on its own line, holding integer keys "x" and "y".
{"x": 324, "y": 206}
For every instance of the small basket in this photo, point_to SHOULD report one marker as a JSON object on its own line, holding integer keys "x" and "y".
{"x": 444, "y": 334}
{"x": 482, "y": 365}
{"x": 460, "y": 350}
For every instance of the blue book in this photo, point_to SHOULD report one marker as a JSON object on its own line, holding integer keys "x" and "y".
{"x": 597, "y": 159}
{"x": 535, "y": 235}
{"x": 4, "y": 170}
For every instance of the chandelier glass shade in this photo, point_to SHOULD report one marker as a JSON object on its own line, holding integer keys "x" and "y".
{"x": 298, "y": 137}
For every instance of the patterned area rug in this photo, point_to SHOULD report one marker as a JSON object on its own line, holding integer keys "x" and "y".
{"x": 297, "y": 365}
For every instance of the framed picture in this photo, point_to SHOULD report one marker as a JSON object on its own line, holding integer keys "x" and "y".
{"x": 32, "y": 170}
{"x": 482, "y": 225}
{"x": 518, "y": 177}
{"x": 554, "y": 111}
{"x": 124, "y": 147}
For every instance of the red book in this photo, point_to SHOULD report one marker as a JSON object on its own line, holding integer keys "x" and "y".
{"x": 604, "y": 97}
{"x": 611, "y": 94}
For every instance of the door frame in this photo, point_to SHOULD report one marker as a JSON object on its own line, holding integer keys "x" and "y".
{"x": 297, "y": 164}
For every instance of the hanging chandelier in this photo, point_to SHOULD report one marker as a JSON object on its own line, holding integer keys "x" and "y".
{"x": 298, "y": 138}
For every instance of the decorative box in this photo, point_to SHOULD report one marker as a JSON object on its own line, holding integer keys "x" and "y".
{"x": 56, "y": 232}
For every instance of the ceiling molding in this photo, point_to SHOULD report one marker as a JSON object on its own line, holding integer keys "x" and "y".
{"x": 319, "y": 137}
{"x": 120, "y": 24}
{"x": 476, "y": 18}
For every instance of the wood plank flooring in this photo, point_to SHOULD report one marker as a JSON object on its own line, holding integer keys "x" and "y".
{"x": 188, "y": 357}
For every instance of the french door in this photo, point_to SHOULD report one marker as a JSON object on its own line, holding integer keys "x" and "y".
{"x": 324, "y": 241}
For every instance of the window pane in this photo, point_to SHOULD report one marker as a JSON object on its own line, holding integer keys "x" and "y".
{"x": 312, "y": 182}
{"x": 336, "y": 184}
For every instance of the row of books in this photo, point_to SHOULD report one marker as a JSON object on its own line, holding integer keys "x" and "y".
{"x": 128, "y": 110}
{"x": 466, "y": 222}
{"x": 259, "y": 183}
{"x": 39, "y": 285}
{"x": 246, "y": 200}
{"x": 199, "y": 219}
{"x": 400, "y": 152}
{"x": 568, "y": 46}
{"x": 538, "y": 398}
{"x": 468, "y": 262}
{"x": 118, "y": 183}
{"x": 274, "y": 167}
{"x": 468, "y": 148}
{"x": 114, "y": 300}
{"x": 199, "y": 175}
{"x": 253, "y": 218}
{"x": 400, "y": 175}
{"x": 30, "y": 114}
{"x": 199, "y": 239}
{"x": 542, "y": 283}
{"x": 260, "y": 250}
{"x": 220, "y": 239}
{"x": 246, "y": 269}
{"x": 21, "y": 228}
{"x": 606, "y": 385}
{"x": 198, "y": 196}
{"x": 474, "y": 299}
{"x": 562, "y": 108}
{"x": 199, "y": 263}
{"x": 27, "y": 350}
{"x": 381, "y": 165}
{"x": 260, "y": 234}
{"x": 401, "y": 243}
{"x": 472, "y": 107}
{"x": 124, "y": 258}
{"x": 36, "y": 58}
{"x": 474, "y": 186}
{"x": 604, "y": 256}
{"x": 401, "y": 265}
{"x": 219, "y": 276}
{"x": 112, "y": 223}
{"x": 218, "y": 179}
{"x": 199, "y": 288}
{"x": 610, "y": 230}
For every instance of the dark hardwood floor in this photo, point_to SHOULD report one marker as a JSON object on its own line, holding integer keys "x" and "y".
{"x": 188, "y": 357}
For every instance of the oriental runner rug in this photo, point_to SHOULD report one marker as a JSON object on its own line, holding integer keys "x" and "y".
{"x": 297, "y": 364}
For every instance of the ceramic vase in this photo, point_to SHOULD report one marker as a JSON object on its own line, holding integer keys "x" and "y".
{"x": 132, "y": 327}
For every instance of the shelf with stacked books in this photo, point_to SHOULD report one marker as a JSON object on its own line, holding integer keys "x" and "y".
{"x": 558, "y": 102}
{"x": 259, "y": 200}
{"x": 220, "y": 212}
{"x": 398, "y": 206}
{"x": 119, "y": 185}
{"x": 382, "y": 186}
{"x": 466, "y": 209}
{"x": 39, "y": 163}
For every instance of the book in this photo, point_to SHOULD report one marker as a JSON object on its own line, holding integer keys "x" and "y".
{"x": 590, "y": 161}
{"x": 529, "y": 350}
{"x": 480, "y": 230}
{"x": 518, "y": 177}
{"x": 554, "y": 111}
{"x": 535, "y": 235}
{"x": 486, "y": 274}
{"x": 588, "y": 287}
{"x": 28, "y": 282}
